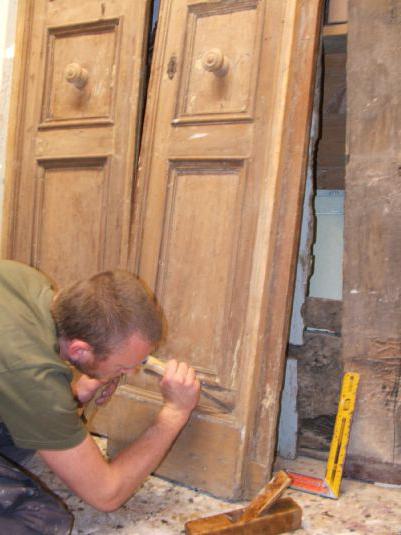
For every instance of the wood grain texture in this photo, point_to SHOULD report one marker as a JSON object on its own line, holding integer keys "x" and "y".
{"x": 72, "y": 148}
{"x": 270, "y": 493}
{"x": 131, "y": 411}
{"x": 284, "y": 516}
{"x": 217, "y": 211}
{"x": 372, "y": 288}
{"x": 274, "y": 308}
{"x": 15, "y": 125}
{"x": 330, "y": 164}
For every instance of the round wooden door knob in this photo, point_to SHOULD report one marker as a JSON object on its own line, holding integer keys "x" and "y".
{"x": 215, "y": 61}
{"x": 76, "y": 75}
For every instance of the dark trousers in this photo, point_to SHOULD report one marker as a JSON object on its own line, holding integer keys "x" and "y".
{"x": 26, "y": 506}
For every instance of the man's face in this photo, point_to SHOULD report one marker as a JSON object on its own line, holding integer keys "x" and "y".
{"x": 123, "y": 359}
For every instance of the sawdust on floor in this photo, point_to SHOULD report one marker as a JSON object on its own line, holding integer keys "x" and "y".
{"x": 162, "y": 508}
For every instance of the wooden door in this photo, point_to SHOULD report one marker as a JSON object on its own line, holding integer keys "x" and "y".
{"x": 73, "y": 137}
{"x": 216, "y": 224}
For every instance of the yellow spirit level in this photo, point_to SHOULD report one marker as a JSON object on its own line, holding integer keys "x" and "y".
{"x": 330, "y": 485}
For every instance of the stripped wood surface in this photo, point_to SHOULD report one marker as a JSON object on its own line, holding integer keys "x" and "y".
{"x": 72, "y": 144}
{"x": 372, "y": 285}
{"x": 216, "y": 225}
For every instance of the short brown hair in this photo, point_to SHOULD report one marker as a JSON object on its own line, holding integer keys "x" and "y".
{"x": 106, "y": 309}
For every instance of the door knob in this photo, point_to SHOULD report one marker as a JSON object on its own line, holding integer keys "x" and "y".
{"x": 76, "y": 75}
{"x": 215, "y": 61}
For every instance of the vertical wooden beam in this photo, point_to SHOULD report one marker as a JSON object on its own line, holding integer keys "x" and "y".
{"x": 288, "y": 423}
{"x": 372, "y": 260}
{"x": 276, "y": 300}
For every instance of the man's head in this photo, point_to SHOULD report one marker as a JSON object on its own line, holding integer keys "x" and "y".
{"x": 110, "y": 316}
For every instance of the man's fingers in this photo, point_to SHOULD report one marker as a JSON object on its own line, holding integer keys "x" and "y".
{"x": 182, "y": 371}
{"x": 191, "y": 375}
{"x": 180, "y": 387}
{"x": 171, "y": 368}
{"x": 179, "y": 371}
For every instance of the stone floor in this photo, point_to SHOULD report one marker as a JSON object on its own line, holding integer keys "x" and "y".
{"x": 162, "y": 508}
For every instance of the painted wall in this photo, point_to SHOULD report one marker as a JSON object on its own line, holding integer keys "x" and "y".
{"x": 327, "y": 279}
{"x": 8, "y": 16}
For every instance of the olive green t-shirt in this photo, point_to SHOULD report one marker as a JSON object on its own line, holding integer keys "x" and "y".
{"x": 36, "y": 401}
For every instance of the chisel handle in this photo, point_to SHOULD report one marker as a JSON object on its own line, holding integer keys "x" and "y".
{"x": 158, "y": 367}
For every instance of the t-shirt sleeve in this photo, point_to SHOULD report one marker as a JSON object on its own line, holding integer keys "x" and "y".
{"x": 38, "y": 408}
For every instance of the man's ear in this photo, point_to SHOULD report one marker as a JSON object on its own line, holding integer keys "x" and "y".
{"x": 79, "y": 351}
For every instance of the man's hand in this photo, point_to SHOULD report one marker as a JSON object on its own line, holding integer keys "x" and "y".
{"x": 180, "y": 389}
{"x": 85, "y": 389}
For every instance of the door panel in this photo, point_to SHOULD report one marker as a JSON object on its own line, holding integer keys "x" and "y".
{"x": 202, "y": 228}
{"x": 76, "y": 104}
{"x": 211, "y": 233}
{"x": 96, "y": 45}
{"x": 83, "y": 180}
{"x": 224, "y": 91}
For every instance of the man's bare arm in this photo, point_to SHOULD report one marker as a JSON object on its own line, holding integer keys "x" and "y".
{"x": 107, "y": 485}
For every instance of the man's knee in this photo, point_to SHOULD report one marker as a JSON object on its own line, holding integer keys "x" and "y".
{"x": 28, "y": 508}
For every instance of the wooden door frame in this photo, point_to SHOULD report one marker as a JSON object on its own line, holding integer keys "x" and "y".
{"x": 15, "y": 125}
{"x": 275, "y": 303}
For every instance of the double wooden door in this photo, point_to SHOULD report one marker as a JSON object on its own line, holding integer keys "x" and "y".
{"x": 210, "y": 223}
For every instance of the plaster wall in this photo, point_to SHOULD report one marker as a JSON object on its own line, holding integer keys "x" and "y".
{"x": 326, "y": 281}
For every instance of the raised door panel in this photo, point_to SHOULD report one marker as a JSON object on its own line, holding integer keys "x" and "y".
{"x": 80, "y": 230}
{"x": 220, "y": 58}
{"x": 208, "y": 223}
{"x": 74, "y": 135}
{"x": 81, "y": 73}
{"x": 200, "y": 253}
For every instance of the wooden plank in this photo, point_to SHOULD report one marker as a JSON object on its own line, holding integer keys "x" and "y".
{"x": 331, "y": 177}
{"x": 15, "y": 124}
{"x": 320, "y": 313}
{"x": 357, "y": 468}
{"x": 379, "y": 398}
{"x": 372, "y": 284}
{"x": 330, "y": 164}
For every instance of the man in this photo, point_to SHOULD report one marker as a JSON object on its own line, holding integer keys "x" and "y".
{"x": 104, "y": 327}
